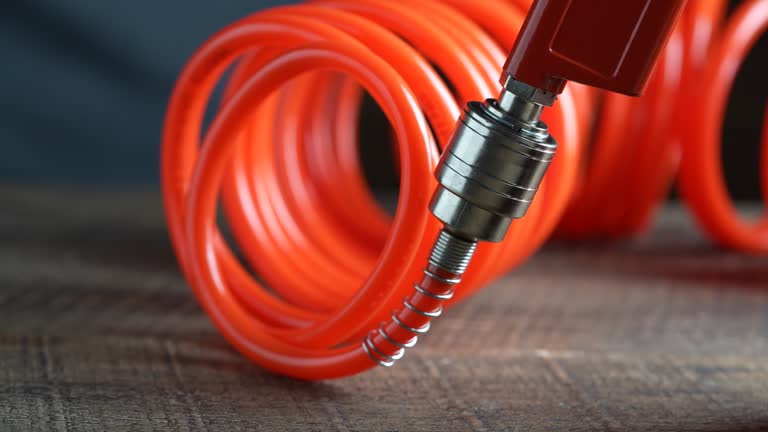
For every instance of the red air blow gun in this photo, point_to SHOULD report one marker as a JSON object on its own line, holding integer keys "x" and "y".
{"x": 500, "y": 150}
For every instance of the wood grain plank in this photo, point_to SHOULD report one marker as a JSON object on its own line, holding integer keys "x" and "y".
{"x": 98, "y": 331}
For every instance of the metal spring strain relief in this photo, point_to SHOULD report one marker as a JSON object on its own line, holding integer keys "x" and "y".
{"x": 449, "y": 253}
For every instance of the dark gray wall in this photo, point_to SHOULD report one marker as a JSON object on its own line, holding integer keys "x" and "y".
{"x": 84, "y": 83}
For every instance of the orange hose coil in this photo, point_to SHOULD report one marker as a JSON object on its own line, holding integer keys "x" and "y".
{"x": 283, "y": 153}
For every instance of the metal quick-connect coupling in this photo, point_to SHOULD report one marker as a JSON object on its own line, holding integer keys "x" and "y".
{"x": 494, "y": 163}
{"x": 488, "y": 175}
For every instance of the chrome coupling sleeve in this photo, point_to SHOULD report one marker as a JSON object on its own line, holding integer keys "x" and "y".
{"x": 493, "y": 164}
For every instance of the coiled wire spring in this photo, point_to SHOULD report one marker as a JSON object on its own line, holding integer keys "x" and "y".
{"x": 448, "y": 260}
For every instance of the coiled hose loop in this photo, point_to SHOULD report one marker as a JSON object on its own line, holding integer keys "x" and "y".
{"x": 281, "y": 157}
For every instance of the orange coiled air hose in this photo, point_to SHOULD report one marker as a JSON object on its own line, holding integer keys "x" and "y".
{"x": 282, "y": 157}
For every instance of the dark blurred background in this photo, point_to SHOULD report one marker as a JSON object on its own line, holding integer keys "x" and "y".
{"x": 84, "y": 83}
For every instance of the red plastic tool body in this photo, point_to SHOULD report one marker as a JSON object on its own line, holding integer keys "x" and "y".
{"x": 609, "y": 44}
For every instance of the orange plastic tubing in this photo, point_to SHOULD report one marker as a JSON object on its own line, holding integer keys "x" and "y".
{"x": 281, "y": 160}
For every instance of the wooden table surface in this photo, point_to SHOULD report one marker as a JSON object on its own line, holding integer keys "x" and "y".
{"x": 98, "y": 331}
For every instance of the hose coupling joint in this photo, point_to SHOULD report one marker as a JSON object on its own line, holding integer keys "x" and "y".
{"x": 493, "y": 164}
